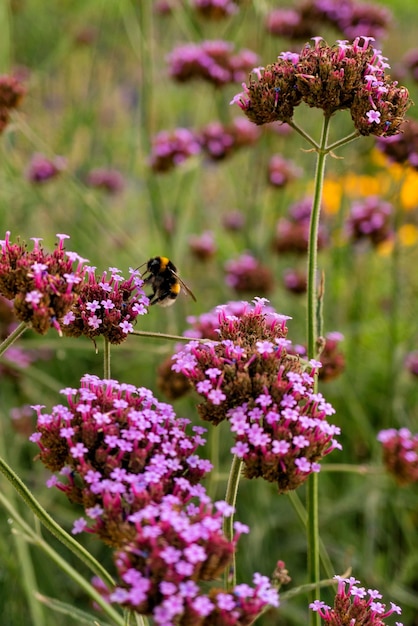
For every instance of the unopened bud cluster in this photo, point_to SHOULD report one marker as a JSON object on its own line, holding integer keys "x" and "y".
{"x": 343, "y": 76}
{"x": 43, "y": 285}
{"x": 400, "y": 454}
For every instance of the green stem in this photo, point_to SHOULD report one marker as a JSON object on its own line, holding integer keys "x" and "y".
{"x": 343, "y": 141}
{"x": 312, "y": 294}
{"x": 144, "y": 333}
{"x": 312, "y": 330}
{"x": 231, "y": 497}
{"x": 106, "y": 359}
{"x": 13, "y": 337}
{"x": 53, "y": 527}
{"x": 303, "y": 134}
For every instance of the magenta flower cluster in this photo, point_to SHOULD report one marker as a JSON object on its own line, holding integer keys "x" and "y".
{"x": 347, "y": 16}
{"x": 248, "y": 275}
{"x": 107, "y": 179}
{"x": 400, "y": 454}
{"x": 215, "y": 140}
{"x": 11, "y": 94}
{"x": 343, "y": 76}
{"x": 213, "y": 61}
{"x": 106, "y": 306}
{"x": 206, "y": 325}
{"x": 282, "y": 171}
{"x": 292, "y": 231}
{"x": 370, "y": 220}
{"x": 43, "y": 286}
{"x": 129, "y": 461}
{"x": 248, "y": 378}
{"x": 215, "y": 9}
{"x": 41, "y": 168}
{"x": 355, "y": 605}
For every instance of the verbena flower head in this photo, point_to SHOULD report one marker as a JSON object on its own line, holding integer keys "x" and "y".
{"x": 203, "y": 247}
{"x": 355, "y": 605}
{"x": 402, "y": 148}
{"x": 220, "y": 140}
{"x": 11, "y": 94}
{"x": 248, "y": 275}
{"x": 118, "y": 449}
{"x": 292, "y": 232}
{"x": 170, "y": 149}
{"x": 248, "y": 378}
{"x": 174, "y": 543}
{"x": 42, "y": 285}
{"x": 400, "y": 454}
{"x": 343, "y": 76}
{"x": 282, "y": 171}
{"x": 332, "y": 358}
{"x": 370, "y": 219}
{"x": 108, "y": 179}
{"x": 213, "y": 61}
{"x": 107, "y": 306}
{"x": 348, "y": 16}
{"x": 215, "y": 9}
{"x": 41, "y": 168}
{"x": 174, "y": 549}
{"x": 411, "y": 362}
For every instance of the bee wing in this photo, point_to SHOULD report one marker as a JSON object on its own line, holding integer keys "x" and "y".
{"x": 185, "y": 287}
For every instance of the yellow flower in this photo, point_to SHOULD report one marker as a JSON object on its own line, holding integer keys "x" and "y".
{"x": 408, "y": 235}
{"x": 409, "y": 190}
{"x": 331, "y": 195}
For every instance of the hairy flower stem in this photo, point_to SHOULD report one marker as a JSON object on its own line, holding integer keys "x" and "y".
{"x": 106, "y": 359}
{"x": 231, "y": 497}
{"x": 13, "y": 337}
{"x": 312, "y": 336}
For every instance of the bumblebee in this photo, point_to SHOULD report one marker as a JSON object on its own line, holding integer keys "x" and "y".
{"x": 161, "y": 275}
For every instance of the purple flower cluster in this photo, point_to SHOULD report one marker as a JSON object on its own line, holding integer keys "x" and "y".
{"x": 295, "y": 280}
{"x": 347, "y": 16}
{"x": 220, "y": 140}
{"x": 215, "y": 140}
{"x": 248, "y": 378}
{"x": 292, "y": 232}
{"x": 11, "y": 94}
{"x": 332, "y": 359}
{"x": 370, "y": 219}
{"x": 41, "y": 168}
{"x": 172, "y": 148}
{"x": 203, "y": 247}
{"x": 206, "y": 325}
{"x": 402, "y": 148}
{"x": 108, "y": 179}
{"x": 248, "y": 275}
{"x": 215, "y": 9}
{"x": 128, "y": 460}
{"x": 411, "y": 362}
{"x": 355, "y": 605}
{"x": 213, "y": 61}
{"x": 119, "y": 449}
{"x": 42, "y": 285}
{"x": 282, "y": 171}
{"x": 106, "y": 306}
{"x": 343, "y": 76}
{"x": 400, "y": 454}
